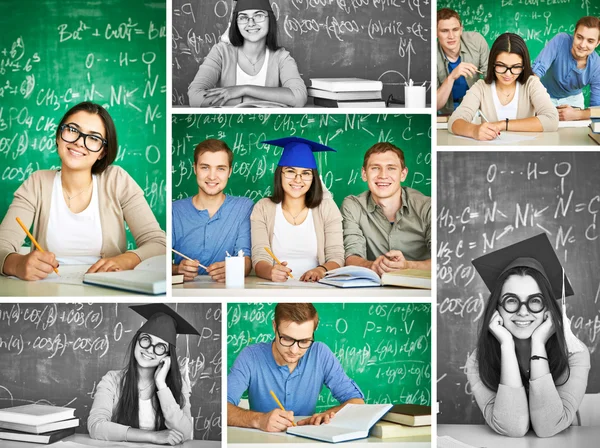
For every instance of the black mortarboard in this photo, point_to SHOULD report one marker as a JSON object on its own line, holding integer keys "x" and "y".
{"x": 298, "y": 152}
{"x": 536, "y": 253}
{"x": 242, "y": 5}
{"x": 163, "y": 321}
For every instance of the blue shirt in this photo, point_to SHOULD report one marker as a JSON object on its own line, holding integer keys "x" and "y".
{"x": 256, "y": 371}
{"x": 558, "y": 70}
{"x": 460, "y": 87}
{"x": 206, "y": 239}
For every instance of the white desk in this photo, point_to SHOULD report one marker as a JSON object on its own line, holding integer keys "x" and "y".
{"x": 203, "y": 287}
{"x": 563, "y": 137}
{"x": 85, "y": 440}
{"x": 12, "y": 287}
{"x": 241, "y": 438}
{"x": 483, "y": 436}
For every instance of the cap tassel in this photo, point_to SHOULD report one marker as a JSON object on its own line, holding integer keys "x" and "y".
{"x": 574, "y": 345}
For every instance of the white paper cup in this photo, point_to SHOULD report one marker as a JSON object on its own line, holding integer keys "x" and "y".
{"x": 234, "y": 272}
{"x": 414, "y": 97}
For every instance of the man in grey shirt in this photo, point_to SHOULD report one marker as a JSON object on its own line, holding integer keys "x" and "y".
{"x": 388, "y": 227}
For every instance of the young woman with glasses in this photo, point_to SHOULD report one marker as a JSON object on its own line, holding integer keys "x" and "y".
{"x": 251, "y": 66}
{"x": 79, "y": 211}
{"x": 510, "y": 98}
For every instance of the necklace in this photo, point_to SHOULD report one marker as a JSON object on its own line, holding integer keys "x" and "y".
{"x": 75, "y": 195}
{"x": 253, "y": 64}
{"x": 294, "y": 217}
{"x": 144, "y": 388}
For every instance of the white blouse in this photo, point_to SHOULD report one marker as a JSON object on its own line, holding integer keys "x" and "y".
{"x": 260, "y": 79}
{"x": 509, "y": 110}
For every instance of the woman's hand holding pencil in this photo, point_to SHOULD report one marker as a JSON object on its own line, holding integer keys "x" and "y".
{"x": 280, "y": 272}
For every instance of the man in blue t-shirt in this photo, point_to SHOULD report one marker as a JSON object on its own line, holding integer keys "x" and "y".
{"x": 211, "y": 224}
{"x": 295, "y": 368}
{"x": 569, "y": 63}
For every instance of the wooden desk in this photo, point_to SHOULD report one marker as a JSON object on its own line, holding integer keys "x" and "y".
{"x": 203, "y": 287}
{"x": 241, "y": 438}
{"x": 13, "y": 287}
{"x": 86, "y": 441}
{"x": 563, "y": 137}
{"x": 483, "y": 436}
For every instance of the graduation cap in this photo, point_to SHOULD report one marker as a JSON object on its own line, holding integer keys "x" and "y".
{"x": 535, "y": 253}
{"x": 242, "y": 5}
{"x": 298, "y": 152}
{"x": 163, "y": 322}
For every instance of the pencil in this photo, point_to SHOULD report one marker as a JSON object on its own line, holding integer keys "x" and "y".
{"x": 485, "y": 118}
{"x": 188, "y": 258}
{"x": 35, "y": 243}
{"x": 279, "y": 402}
{"x": 276, "y": 259}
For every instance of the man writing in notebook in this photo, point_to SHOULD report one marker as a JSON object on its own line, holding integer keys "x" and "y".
{"x": 461, "y": 57}
{"x": 388, "y": 227}
{"x": 567, "y": 64}
{"x": 295, "y": 368}
{"x": 211, "y": 224}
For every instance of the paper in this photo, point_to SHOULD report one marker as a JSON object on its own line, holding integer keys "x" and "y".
{"x": 504, "y": 139}
{"x": 295, "y": 283}
{"x": 261, "y": 431}
{"x": 69, "y": 274}
{"x": 449, "y": 442}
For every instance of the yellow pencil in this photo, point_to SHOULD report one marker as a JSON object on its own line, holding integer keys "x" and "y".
{"x": 279, "y": 402}
{"x": 276, "y": 259}
{"x": 35, "y": 243}
{"x": 188, "y": 258}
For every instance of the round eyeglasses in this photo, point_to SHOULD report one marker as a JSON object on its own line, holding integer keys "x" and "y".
{"x": 71, "y": 134}
{"x": 502, "y": 69}
{"x": 259, "y": 17}
{"x": 159, "y": 349}
{"x": 286, "y": 341}
{"x": 291, "y": 175}
{"x": 534, "y": 304}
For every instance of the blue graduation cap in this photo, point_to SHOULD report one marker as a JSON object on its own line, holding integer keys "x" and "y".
{"x": 298, "y": 152}
{"x": 242, "y": 5}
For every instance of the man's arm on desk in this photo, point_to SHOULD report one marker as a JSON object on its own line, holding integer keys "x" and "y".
{"x": 391, "y": 261}
{"x": 325, "y": 417}
{"x": 274, "y": 421}
{"x": 568, "y": 113}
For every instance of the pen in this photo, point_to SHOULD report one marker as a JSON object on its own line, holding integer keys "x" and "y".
{"x": 485, "y": 118}
{"x": 35, "y": 243}
{"x": 279, "y": 403}
{"x": 188, "y": 258}
{"x": 276, "y": 259}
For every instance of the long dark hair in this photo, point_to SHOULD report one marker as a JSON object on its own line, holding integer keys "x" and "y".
{"x": 127, "y": 412}
{"x": 509, "y": 43}
{"x": 488, "y": 347}
{"x": 314, "y": 195}
{"x": 237, "y": 40}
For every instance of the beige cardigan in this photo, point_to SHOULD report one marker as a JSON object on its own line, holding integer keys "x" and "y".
{"x": 533, "y": 101}
{"x": 121, "y": 199}
{"x": 328, "y": 228}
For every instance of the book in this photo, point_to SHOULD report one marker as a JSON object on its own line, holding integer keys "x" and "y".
{"x": 345, "y": 84}
{"x": 42, "y": 428}
{"x": 409, "y": 414}
{"x": 594, "y": 112}
{"x": 176, "y": 279}
{"x": 345, "y": 96}
{"x": 408, "y": 278}
{"x": 370, "y": 104}
{"x": 594, "y": 136}
{"x": 387, "y": 430}
{"x": 35, "y": 414}
{"x": 360, "y": 277}
{"x": 46, "y": 438}
{"x": 595, "y": 125}
{"x": 148, "y": 277}
{"x": 352, "y": 422}
{"x": 443, "y": 118}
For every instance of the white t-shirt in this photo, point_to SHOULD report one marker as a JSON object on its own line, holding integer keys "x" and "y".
{"x": 260, "y": 79}
{"x": 295, "y": 244}
{"x": 75, "y": 238}
{"x": 146, "y": 414}
{"x": 508, "y": 111}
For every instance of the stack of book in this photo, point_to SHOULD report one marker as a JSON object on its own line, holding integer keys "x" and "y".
{"x": 404, "y": 420}
{"x": 37, "y": 423}
{"x": 346, "y": 92}
{"x": 594, "y": 131}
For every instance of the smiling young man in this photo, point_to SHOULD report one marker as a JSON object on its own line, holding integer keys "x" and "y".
{"x": 211, "y": 223}
{"x": 295, "y": 368}
{"x": 461, "y": 57}
{"x": 569, "y": 63}
{"x": 388, "y": 227}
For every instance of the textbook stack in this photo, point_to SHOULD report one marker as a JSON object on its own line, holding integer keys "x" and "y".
{"x": 594, "y": 131}
{"x": 404, "y": 420}
{"x": 37, "y": 423}
{"x": 346, "y": 92}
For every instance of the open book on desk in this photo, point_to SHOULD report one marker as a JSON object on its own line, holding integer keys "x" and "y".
{"x": 360, "y": 277}
{"x": 353, "y": 421}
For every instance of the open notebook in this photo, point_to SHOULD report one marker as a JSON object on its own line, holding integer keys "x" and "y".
{"x": 360, "y": 277}
{"x": 353, "y": 421}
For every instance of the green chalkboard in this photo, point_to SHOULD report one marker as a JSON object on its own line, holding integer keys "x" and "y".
{"x": 54, "y": 55}
{"x": 536, "y": 21}
{"x": 255, "y": 163}
{"x": 384, "y": 347}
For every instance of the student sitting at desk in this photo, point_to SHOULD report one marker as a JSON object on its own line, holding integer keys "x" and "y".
{"x": 508, "y": 99}
{"x": 78, "y": 211}
{"x": 526, "y": 371}
{"x": 299, "y": 224}
{"x": 149, "y": 400}
{"x": 295, "y": 368}
{"x": 387, "y": 227}
{"x": 569, "y": 63}
{"x": 252, "y": 66}
{"x": 210, "y": 224}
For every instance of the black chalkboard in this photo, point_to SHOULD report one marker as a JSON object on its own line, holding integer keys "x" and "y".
{"x": 489, "y": 200}
{"x": 385, "y": 40}
{"x": 57, "y": 353}
{"x": 54, "y": 55}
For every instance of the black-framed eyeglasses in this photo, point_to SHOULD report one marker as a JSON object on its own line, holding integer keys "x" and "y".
{"x": 291, "y": 175}
{"x": 534, "y": 304}
{"x": 286, "y": 341}
{"x": 159, "y": 349}
{"x": 502, "y": 69}
{"x": 259, "y": 17}
{"x": 71, "y": 134}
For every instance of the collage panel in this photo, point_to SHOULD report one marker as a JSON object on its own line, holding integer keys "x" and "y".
{"x": 369, "y": 357}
